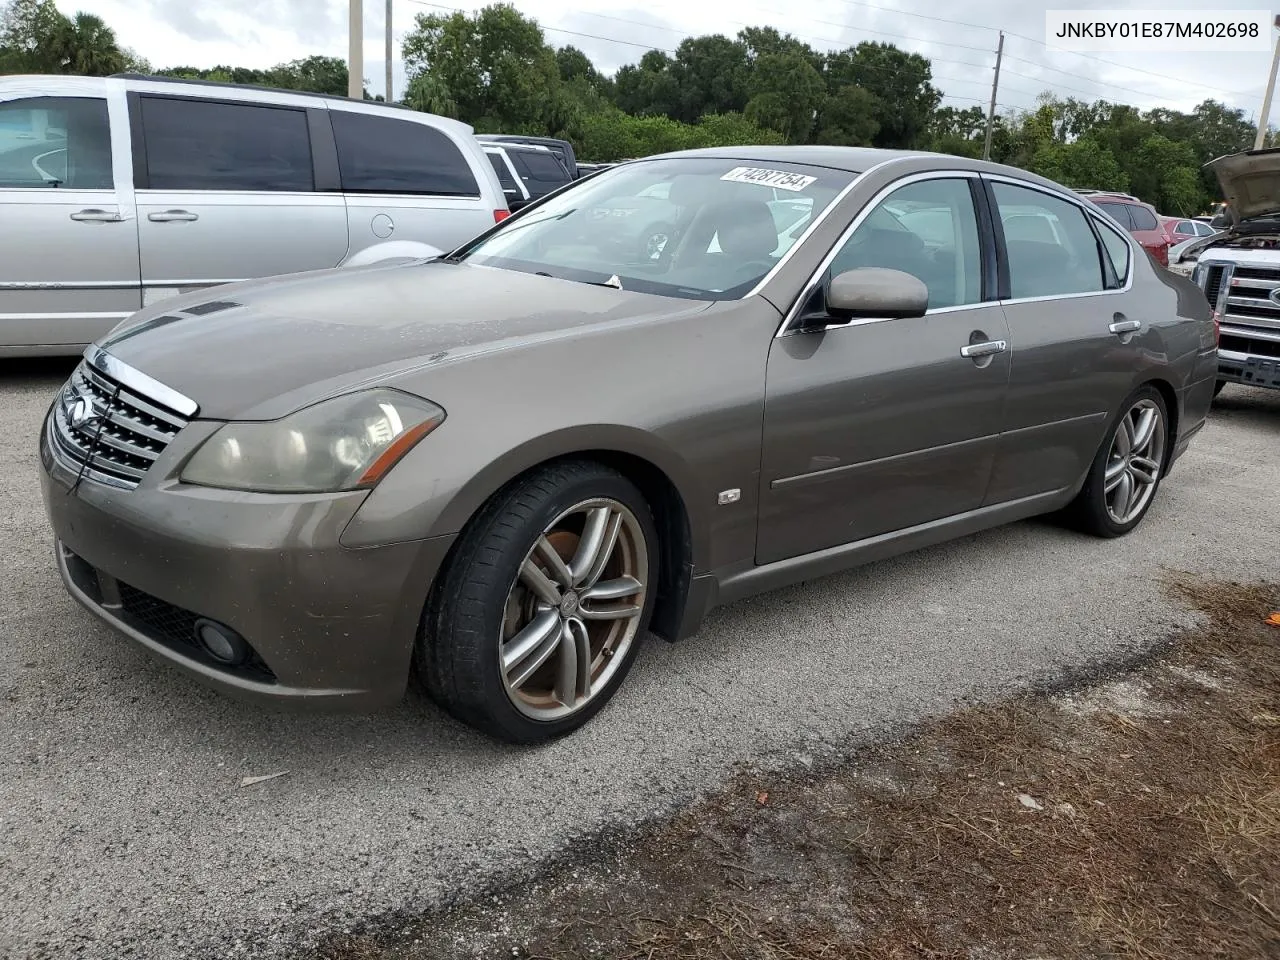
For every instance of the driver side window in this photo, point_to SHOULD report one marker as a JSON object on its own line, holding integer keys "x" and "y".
{"x": 928, "y": 229}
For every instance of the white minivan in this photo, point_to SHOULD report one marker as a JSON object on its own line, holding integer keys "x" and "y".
{"x": 118, "y": 192}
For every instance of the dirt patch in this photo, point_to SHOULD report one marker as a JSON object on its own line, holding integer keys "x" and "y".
{"x": 1137, "y": 818}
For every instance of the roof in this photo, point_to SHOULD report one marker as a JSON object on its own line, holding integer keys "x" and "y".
{"x": 851, "y": 159}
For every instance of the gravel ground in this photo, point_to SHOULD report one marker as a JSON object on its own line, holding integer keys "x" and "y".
{"x": 124, "y": 831}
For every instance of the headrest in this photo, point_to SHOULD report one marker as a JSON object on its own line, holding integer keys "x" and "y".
{"x": 745, "y": 228}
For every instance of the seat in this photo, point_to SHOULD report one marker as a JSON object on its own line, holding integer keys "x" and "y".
{"x": 745, "y": 234}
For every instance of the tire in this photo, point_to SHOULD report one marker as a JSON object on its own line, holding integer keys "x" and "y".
{"x": 484, "y": 599}
{"x": 1097, "y": 509}
{"x": 1217, "y": 387}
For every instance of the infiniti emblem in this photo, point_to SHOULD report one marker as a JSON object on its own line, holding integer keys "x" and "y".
{"x": 80, "y": 410}
{"x": 569, "y": 605}
{"x": 1274, "y": 295}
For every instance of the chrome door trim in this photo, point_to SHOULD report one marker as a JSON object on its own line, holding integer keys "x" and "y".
{"x": 68, "y": 285}
{"x": 825, "y": 472}
{"x": 806, "y": 288}
{"x": 146, "y": 386}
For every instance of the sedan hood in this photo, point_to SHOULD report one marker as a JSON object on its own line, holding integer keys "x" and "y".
{"x": 261, "y": 349}
{"x": 1250, "y": 183}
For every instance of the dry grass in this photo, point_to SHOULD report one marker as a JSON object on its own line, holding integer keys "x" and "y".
{"x": 1151, "y": 830}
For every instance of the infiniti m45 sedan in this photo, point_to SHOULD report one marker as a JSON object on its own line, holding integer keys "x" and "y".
{"x": 643, "y": 396}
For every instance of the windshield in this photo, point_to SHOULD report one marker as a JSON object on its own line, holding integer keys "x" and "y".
{"x": 695, "y": 228}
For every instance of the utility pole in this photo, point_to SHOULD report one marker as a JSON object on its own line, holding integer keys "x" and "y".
{"x": 991, "y": 110}
{"x": 389, "y": 100}
{"x": 1266, "y": 100}
{"x": 355, "y": 51}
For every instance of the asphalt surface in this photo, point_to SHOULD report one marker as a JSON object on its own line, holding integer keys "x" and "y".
{"x": 124, "y": 831}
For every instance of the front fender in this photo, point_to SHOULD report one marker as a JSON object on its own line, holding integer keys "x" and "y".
{"x": 407, "y": 506}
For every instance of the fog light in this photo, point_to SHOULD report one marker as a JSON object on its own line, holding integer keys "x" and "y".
{"x": 221, "y": 643}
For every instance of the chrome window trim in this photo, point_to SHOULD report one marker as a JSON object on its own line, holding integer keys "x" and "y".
{"x": 1084, "y": 207}
{"x": 136, "y": 380}
{"x": 785, "y": 328}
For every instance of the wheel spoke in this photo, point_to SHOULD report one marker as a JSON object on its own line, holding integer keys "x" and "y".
{"x": 618, "y": 589}
{"x": 1124, "y": 496}
{"x": 559, "y": 569}
{"x": 529, "y": 649}
{"x": 1144, "y": 430}
{"x": 591, "y": 543}
{"x": 1144, "y": 469}
{"x": 537, "y": 581}
{"x": 567, "y": 668}
{"x": 605, "y": 551}
{"x": 1124, "y": 437}
{"x": 1115, "y": 472}
{"x": 578, "y": 633}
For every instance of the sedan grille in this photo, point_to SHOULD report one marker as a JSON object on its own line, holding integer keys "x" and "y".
{"x": 109, "y": 431}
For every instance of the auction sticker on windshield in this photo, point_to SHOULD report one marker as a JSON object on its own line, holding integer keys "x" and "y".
{"x": 769, "y": 178}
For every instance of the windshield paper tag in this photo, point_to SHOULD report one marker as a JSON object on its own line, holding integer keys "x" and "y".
{"x": 769, "y": 178}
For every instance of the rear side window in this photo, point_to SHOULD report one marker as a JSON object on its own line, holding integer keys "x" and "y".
{"x": 1118, "y": 210}
{"x": 385, "y": 155}
{"x": 51, "y": 142}
{"x": 1185, "y": 228}
{"x": 540, "y": 166}
{"x": 1117, "y": 248}
{"x": 211, "y": 145}
{"x": 1143, "y": 218}
{"x": 1063, "y": 260}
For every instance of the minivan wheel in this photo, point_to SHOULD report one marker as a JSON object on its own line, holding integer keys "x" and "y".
{"x": 1127, "y": 470}
{"x": 538, "y": 615}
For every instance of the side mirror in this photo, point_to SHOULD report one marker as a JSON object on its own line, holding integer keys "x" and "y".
{"x": 874, "y": 292}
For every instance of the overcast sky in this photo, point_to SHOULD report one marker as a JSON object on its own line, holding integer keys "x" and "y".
{"x": 260, "y": 33}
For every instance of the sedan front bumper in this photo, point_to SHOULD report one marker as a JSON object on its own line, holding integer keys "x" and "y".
{"x": 329, "y": 625}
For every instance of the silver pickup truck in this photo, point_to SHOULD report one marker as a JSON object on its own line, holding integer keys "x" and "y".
{"x": 1239, "y": 269}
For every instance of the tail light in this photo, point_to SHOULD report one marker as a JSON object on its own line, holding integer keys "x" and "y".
{"x": 500, "y": 215}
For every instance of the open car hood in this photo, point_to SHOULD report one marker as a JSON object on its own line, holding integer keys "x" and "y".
{"x": 1250, "y": 183}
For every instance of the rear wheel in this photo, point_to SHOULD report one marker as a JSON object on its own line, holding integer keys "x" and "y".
{"x": 1127, "y": 470}
{"x": 540, "y": 612}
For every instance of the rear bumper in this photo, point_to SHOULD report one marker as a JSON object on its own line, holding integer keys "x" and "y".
{"x": 331, "y": 626}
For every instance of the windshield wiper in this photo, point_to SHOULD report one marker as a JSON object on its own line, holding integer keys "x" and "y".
{"x": 613, "y": 282}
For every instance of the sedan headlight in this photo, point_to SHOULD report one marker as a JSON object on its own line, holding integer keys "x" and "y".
{"x": 345, "y": 443}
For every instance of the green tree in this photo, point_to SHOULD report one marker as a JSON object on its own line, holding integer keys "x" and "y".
{"x": 710, "y": 75}
{"x": 649, "y": 87}
{"x": 847, "y": 118}
{"x": 495, "y": 65}
{"x": 315, "y": 74}
{"x": 29, "y": 36}
{"x": 1083, "y": 163}
{"x": 786, "y": 92}
{"x": 85, "y": 45}
{"x": 901, "y": 83}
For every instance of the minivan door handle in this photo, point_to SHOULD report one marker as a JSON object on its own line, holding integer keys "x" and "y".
{"x": 173, "y": 216}
{"x": 94, "y": 215}
{"x": 1119, "y": 324}
{"x": 974, "y": 351}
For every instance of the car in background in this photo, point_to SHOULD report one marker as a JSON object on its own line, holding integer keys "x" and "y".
{"x": 526, "y": 172}
{"x": 501, "y": 468}
{"x": 563, "y": 149}
{"x": 1239, "y": 269}
{"x": 118, "y": 193}
{"x": 586, "y": 169}
{"x": 1139, "y": 218}
{"x": 1181, "y": 229}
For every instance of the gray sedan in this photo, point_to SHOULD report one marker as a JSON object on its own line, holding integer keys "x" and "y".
{"x": 501, "y": 468}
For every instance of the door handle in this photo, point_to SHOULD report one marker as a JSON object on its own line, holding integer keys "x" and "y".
{"x": 1121, "y": 325}
{"x": 973, "y": 351}
{"x": 94, "y": 215}
{"x": 173, "y": 216}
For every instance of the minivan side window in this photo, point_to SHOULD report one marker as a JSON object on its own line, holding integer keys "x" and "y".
{"x": 386, "y": 155}
{"x": 194, "y": 144}
{"x": 1064, "y": 261}
{"x": 55, "y": 142}
{"x": 928, "y": 229}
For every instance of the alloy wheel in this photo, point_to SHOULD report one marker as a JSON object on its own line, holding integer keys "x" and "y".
{"x": 574, "y": 609}
{"x": 1134, "y": 461}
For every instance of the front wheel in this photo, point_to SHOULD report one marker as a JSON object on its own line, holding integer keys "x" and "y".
{"x": 539, "y": 613}
{"x": 1127, "y": 470}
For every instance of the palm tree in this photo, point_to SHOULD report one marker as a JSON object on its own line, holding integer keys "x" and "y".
{"x": 85, "y": 45}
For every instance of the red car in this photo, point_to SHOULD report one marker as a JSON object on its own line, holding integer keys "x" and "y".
{"x": 1140, "y": 218}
